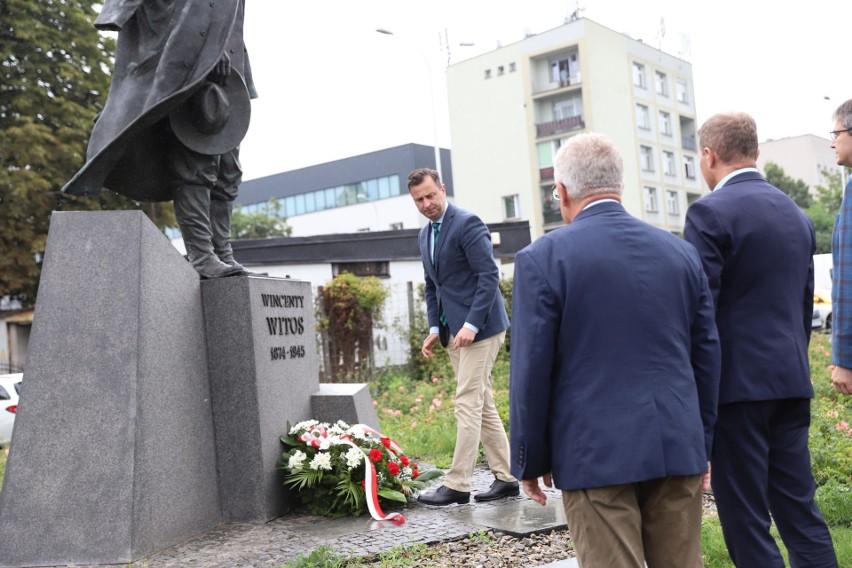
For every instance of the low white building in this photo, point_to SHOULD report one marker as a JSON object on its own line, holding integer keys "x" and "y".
{"x": 802, "y": 157}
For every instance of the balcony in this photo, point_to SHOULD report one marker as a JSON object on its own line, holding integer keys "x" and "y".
{"x": 689, "y": 143}
{"x": 556, "y": 126}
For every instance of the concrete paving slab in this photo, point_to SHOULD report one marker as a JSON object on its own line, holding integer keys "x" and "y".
{"x": 517, "y": 516}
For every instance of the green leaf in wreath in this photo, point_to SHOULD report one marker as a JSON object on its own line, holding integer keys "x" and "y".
{"x": 392, "y": 495}
{"x": 430, "y": 475}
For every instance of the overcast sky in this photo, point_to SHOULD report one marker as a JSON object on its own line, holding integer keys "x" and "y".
{"x": 331, "y": 87}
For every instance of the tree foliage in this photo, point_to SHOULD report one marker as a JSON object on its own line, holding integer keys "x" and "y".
{"x": 348, "y": 308}
{"x": 54, "y": 79}
{"x": 797, "y": 189}
{"x": 260, "y": 224}
{"x": 824, "y": 208}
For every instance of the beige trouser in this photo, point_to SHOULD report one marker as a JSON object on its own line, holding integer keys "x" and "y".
{"x": 625, "y": 526}
{"x": 476, "y": 416}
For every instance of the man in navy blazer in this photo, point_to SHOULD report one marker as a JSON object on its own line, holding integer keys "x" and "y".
{"x": 614, "y": 372}
{"x": 467, "y": 315}
{"x": 757, "y": 249}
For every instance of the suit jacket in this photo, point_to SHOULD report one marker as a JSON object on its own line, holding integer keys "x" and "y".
{"x": 757, "y": 249}
{"x": 615, "y": 355}
{"x": 464, "y": 279}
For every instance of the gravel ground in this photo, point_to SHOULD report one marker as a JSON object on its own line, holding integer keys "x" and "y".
{"x": 493, "y": 549}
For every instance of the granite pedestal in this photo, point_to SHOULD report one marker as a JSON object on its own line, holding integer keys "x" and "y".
{"x": 350, "y": 402}
{"x": 153, "y": 403}
{"x": 113, "y": 454}
{"x": 263, "y": 370}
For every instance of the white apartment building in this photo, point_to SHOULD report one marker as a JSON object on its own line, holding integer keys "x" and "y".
{"x": 511, "y": 108}
{"x": 802, "y": 157}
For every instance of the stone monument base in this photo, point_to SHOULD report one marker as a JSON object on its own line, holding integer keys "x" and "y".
{"x": 153, "y": 402}
{"x": 113, "y": 454}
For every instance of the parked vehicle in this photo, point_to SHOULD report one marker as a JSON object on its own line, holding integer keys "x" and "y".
{"x": 10, "y": 389}
{"x": 822, "y": 310}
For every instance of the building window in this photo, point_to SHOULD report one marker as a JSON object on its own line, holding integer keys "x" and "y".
{"x": 511, "y": 207}
{"x": 646, "y": 158}
{"x": 665, "y": 123}
{"x": 488, "y": 73}
{"x": 500, "y": 70}
{"x": 682, "y": 94}
{"x": 565, "y": 70}
{"x": 329, "y": 198}
{"x": 662, "y": 84}
{"x": 639, "y": 78}
{"x": 651, "y": 199}
{"x": 512, "y": 67}
{"x": 689, "y": 167}
{"x": 396, "y": 226}
{"x": 669, "y": 163}
{"x": 372, "y": 268}
{"x": 672, "y": 205}
{"x": 643, "y": 118}
{"x": 567, "y": 108}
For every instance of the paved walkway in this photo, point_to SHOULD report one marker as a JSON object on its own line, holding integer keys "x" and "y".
{"x": 281, "y": 540}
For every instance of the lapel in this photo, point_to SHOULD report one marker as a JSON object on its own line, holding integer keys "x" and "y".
{"x": 425, "y": 235}
{"x": 446, "y": 227}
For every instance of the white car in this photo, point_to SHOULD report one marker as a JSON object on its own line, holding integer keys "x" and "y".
{"x": 822, "y": 310}
{"x": 10, "y": 388}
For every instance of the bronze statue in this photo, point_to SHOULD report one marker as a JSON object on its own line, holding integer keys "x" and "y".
{"x": 177, "y": 110}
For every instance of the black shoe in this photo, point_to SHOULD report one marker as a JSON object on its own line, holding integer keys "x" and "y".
{"x": 498, "y": 490}
{"x": 445, "y": 496}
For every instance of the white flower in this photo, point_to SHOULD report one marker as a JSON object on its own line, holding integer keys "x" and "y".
{"x": 326, "y": 443}
{"x": 406, "y": 472}
{"x": 321, "y": 461}
{"x": 303, "y": 426}
{"x": 342, "y": 425}
{"x": 336, "y": 431}
{"x": 353, "y": 457}
{"x": 357, "y": 432}
{"x": 297, "y": 459}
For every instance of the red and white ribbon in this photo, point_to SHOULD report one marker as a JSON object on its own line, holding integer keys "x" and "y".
{"x": 370, "y": 482}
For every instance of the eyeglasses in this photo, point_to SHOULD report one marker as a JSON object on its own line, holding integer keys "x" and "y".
{"x": 835, "y": 133}
{"x": 555, "y": 191}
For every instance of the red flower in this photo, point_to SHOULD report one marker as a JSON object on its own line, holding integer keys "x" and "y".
{"x": 376, "y": 455}
{"x": 404, "y": 460}
{"x": 386, "y": 442}
{"x": 415, "y": 474}
{"x": 393, "y": 468}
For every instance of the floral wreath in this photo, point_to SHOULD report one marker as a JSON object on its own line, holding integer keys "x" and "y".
{"x": 340, "y": 470}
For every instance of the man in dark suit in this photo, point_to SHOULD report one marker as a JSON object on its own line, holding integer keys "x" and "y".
{"x": 614, "y": 372}
{"x": 757, "y": 248}
{"x": 467, "y": 315}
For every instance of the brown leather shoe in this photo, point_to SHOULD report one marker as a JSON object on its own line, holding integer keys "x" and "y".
{"x": 498, "y": 490}
{"x": 445, "y": 496}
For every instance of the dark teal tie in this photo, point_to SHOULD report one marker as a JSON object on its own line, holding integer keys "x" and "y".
{"x": 436, "y": 229}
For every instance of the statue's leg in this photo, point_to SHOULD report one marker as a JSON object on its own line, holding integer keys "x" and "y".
{"x": 220, "y": 223}
{"x": 192, "y": 210}
{"x": 222, "y": 197}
